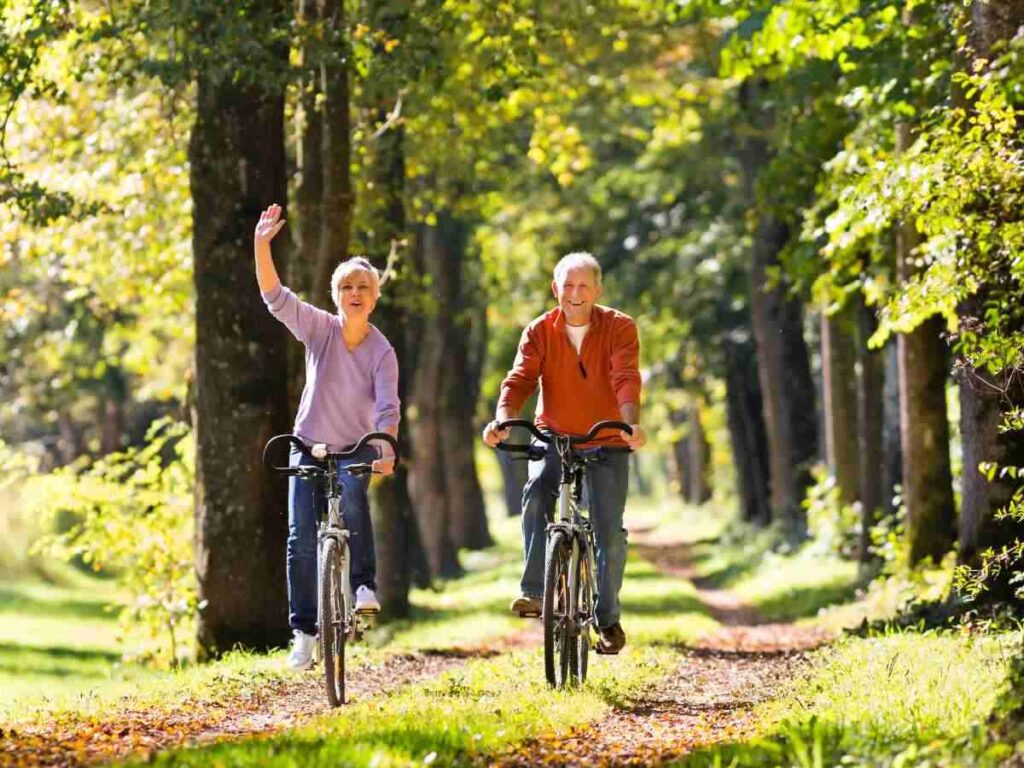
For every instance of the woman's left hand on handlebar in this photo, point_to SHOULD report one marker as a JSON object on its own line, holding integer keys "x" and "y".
{"x": 384, "y": 466}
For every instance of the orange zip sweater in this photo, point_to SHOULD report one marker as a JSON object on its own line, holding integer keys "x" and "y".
{"x": 576, "y": 389}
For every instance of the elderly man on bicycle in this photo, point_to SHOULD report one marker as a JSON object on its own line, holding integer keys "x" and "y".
{"x": 585, "y": 358}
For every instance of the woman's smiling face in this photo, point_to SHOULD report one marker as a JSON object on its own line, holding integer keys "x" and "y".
{"x": 356, "y": 294}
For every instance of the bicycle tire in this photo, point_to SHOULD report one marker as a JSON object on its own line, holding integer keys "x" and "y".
{"x": 584, "y": 599}
{"x": 333, "y": 612}
{"x": 559, "y": 645}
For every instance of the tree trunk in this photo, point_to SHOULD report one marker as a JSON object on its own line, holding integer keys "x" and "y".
{"x": 306, "y": 226}
{"x": 427, "y": 472}
{"x": 892, "y": 448}
{"x": 870, "y": 383}
{"x": 785, "y": 376}
{"x": 467, "y": 515}
{"x": 924, "y": 425}
{"x": 237, "y": 161}
{"x": 983, "y": 396}
{"x": 745, "y": 416}
{"x": 338, "y": 200}
{"x": 111, "y": 408}
{"x": 513, "y": 475}
{"x": 839, "y": 390}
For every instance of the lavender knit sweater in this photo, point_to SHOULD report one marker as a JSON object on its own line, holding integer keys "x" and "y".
{"x": 347, "y": 394}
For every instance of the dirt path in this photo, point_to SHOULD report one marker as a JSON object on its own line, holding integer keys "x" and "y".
{"x": 262, "y": 708}
{"x": 709, "y": 697}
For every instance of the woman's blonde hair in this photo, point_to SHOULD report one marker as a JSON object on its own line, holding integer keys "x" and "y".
{"x": 346, "y": 268}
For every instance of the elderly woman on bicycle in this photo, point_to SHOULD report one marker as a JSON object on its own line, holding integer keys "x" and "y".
{"x": 351, "y": 388}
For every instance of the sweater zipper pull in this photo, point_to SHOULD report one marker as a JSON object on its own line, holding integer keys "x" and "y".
{"x": 582, "y": 369}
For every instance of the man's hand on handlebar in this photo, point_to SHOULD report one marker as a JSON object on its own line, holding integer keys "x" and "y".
{"x": 635, "y": 440}
{"x": 492, "y": 435}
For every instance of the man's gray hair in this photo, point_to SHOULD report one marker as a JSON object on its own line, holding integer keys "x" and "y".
{"x": 576, "y": 260}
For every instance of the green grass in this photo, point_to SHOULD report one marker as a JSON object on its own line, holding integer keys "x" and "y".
{"x": 900, "y": 699}
{"x": 475, "y": 710}
{"x": 783, "y": 587}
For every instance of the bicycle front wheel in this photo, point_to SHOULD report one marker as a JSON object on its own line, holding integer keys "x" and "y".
{"x": 333, "y": 613}
{"x": 559, "y": 637}
{"x": 584, "y": 601}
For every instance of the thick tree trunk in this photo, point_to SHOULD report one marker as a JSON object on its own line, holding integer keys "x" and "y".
{"x": 237, "y": 161}
{"x": 980, "y": 414}
{"x": 924, "y": 425}
{"x": 336, "y": 144}
{"x": 870, "y": 383}
{"x": 745, "y": 416}
{"x": 983, "y": 396}
{"x": 467, "y": 516}
{"x": 111, "y": 409}
{"x": 785, "y": 376}
{"x": 839, "y": 390}
{"x": 400, "y": 557}
{"x": 427, "y": 473}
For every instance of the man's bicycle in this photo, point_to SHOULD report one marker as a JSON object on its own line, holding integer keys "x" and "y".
{"x": 337, "y": 619}
{"x": 570, "y": 583}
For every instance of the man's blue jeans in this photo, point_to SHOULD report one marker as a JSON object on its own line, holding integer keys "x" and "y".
{"x": 605, "y": 486}
{"x": 306, "y": 499}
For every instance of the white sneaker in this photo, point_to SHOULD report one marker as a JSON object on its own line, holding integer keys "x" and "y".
{"x": 301, "y": 656}
{"x": 366, "y": 600}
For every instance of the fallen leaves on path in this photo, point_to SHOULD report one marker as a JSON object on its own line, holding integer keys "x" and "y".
{"x": 707, "y": 700}
{"x": 266, "y": 706}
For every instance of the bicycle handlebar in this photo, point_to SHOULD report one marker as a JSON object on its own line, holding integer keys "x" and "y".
{"x": 363, "y": 441}
{"x": 548, "y": 438}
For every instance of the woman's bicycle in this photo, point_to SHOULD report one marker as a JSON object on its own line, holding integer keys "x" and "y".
{"x": 570, "y": 583}
{"x": 337, "y": 619}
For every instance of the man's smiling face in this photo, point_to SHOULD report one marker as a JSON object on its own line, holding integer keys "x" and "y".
{"x": 577, "y": 294}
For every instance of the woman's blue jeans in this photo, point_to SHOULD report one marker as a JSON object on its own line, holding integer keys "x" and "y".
{"x": 306, "y": 500}
{"x": 606, "y": 484}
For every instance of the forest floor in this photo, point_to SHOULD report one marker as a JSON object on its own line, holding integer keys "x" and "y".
{"x": 712, "y": 675}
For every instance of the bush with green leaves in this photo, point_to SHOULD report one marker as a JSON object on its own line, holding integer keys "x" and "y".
{"x": 132, "y": 519}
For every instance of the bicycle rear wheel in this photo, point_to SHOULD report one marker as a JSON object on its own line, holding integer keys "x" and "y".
{"x": 333, "y": 613}
{"x": 559, "y": 638}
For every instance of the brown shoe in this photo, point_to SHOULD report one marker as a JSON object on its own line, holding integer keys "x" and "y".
{"x": 526, "y": 607}
{"x": 610, "y": 639}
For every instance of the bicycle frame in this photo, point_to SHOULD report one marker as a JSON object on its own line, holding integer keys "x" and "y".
{"x": 579, "y": 530}
{"x": 332, "y": 526}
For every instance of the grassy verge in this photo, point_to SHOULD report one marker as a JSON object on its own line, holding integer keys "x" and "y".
{"x": 782, "y": 586}
{"x": 900, "y": 699}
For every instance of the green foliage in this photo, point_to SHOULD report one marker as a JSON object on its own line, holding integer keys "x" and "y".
{"x": 834, "y": 526}
{"x": 132, "y": 514}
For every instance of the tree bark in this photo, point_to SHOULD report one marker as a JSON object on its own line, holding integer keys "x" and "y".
{"x": 513, "y": 475}
{"x": 984, "y": 396}
{"x": 839, "y": 390}
{"x": 745, "y": 416}
{"x": 924, "y": 425}
{"x": 237, "y": 162}
{"x": 870, "y": 383}
{"x": 427, "y": 473}
{"x": 336, "y": 151}
{"x": 467, "y": 516}
{"x": 785, "y": 377}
